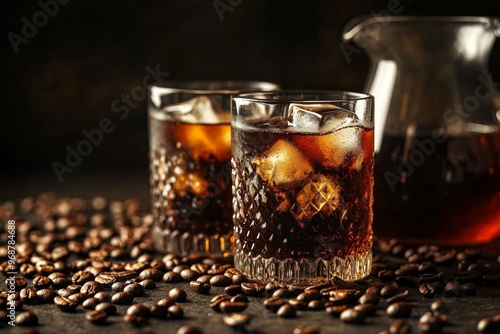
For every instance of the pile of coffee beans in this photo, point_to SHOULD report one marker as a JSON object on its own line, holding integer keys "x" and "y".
{"x": 98, "y": 256}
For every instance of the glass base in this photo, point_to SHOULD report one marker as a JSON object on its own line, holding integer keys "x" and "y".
{"x": 303, "y": 272}
{"x": 186, "y": 243}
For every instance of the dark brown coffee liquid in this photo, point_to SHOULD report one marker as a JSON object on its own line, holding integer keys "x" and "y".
{"x": 445, "y": 192}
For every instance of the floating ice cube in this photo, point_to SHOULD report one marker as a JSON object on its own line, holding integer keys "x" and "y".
{"x": 196, "y": 110}
{"x": 282, "y": 165}
{"x": 205, "y": 141}
{"x": 320, "y": 195}
{"x": 318, "y": 118}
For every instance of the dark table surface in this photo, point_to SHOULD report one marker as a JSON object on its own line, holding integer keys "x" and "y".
{"x": 464, "y": 312}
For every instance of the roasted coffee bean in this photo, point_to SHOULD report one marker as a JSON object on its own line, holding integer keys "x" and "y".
{"x": 400, "y": 327}
{"x": 96, "y": 317}
{"x": 370, "y": 298}
{"x": 236, "y": 319}
{"x": 298, "y": 304}
{"x": 152, "y": 274}
{"x": 239, "y": 278}
{"x": 167, "y": 301}
{"x": 438, "y": 306}
{"x": 158, "y": 311}
{"x": 177, "y": 295}
{"x": 271, "y": 287}
{"x": 56, "y": 274}
{"x": 175, "y": 312}
{"x": 91, "y": 288}
{"x": 428, "y": 278}
{"x": 136, "y": 266}
{"x": 239, "y": 298}
{"x": 134, "y": 288}
{"x": 488, "y": 325}
{"x": 407, "y": 280}
{"x": 351, "y": 316}
{"x": 344, "y": 296}
{"x": 60, "y": 282}
{"x": 469, "y": 289}
{"x": 287, "y": 311}
{"x": 336, "y": 310}
{"x": 106, "y": 307}
{"x": 122, "y": 298}
{"x": 306, "y": 330}
{"x": 78, "y": 297}
{"x": 134, "y": 319}
{"x": 16, "y": 283}
{"x": 220, "y": 280}
{"x": 204, "y": 279}
{"x": 189, "y": 275}
{"x": 233, "y": 290}
{"x": 74, "y": 288}
{"x": 399, "y": 310}
{"x": 118, "y": 286}
{"x": 388, "y": 291}
{"x": 148, "y": 284}
{"x": 428, "y": 289}
{"x": 453, "y": 288}
{"x": 309, "y": 295}
{"x": 398, "y": 297}
{"x": 217, "y": 300}
{"x": 252, "y": 289}
{"x": 188, "y": 329}
{"x": 373, "y": 290}
{"x": 200, "y": 287}
{"x": 491, "y": 279}
{"x": 427, "y": 267}
{"x": 172, "y": 277}
{"x": 316, "y": 305}
{"x": 27, "y": 270}
{"x": 46, "y": 295}
{"x": 459, "y": 276}
{"x": 28, "y": 296}
{"x": 430, "y": 323}
{"x": 274, "y": 303}
{"x": 82, "y": 277}
{"x": 26, "y": 318}
{"x": 230, "y": 307}
{"x": 367, "y": 309}
{"x": 118, "y": 276}
{"x": 65, "y": 304}
{"x": 90, "y": 303}
{"x": 103, "y": 296}
{"x": 64, "y": 292}
{"x": 138, "y": 310}
{"x": 284, "y": 293}
{"x": 386, "y": 275}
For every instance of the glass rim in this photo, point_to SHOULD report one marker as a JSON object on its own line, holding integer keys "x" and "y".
{"x": 206, "y": 87}
{"x": 325, "y": 96}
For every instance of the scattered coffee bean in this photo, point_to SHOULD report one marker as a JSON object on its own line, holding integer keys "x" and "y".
{"x": 148, "y": 284}
{"x": 351, "y": 316}
{"x": 82, "y": 277}
{"x": 16, "y": 283}
{"x": 368, "y": 297}
{"x": 488, "y": 325}
{"x": 122, "y": 298}
{"x": 90, "y": 303}
{"x": 200, "y": 287}
{"x": 274, "y": 303}
{"x": 469, "y": 289}
{"x": 316, "y": 305}
{"x": 177, "y": 295}
{"x": 118, "y": 286}
{"x": 438, "y": 306}
{"x": 428, "y": 289}
{"x": 298, "y": 304}
{"x": 28, "y": 296}
{"x": 287, "y": 311}
{"x": 103, "y": 296}
{"x": 453, "y": 288}
{"x": 367, "y": 309}
{"x": 167, "y": 301}
{"x": 138, "y": 310}
{"x": 175, "y": 312}
{"x": 400, "y": 327}
{"x": 233, "y": 290}
{"x": 239, "y": 298}
{"x": 172, "y": 277}
{"x": 96, "y": 317}
{"x": 220, "y": 280}
{"x": 398, "y": 297}
{"x": 239, "y": 278}
{"x": 336, "y": 310}
{"x": 252, "y": 289}
{"x": 134, "y": 319}
{"x": 26, "y": 318}
{"x": 41, "y": 282}
{"x": 152, "y": 274}
{"x": 189, "y": 275}
{"x": 388, "y": 291}
{"x": 188, "y": 329}
{"x": 65, "y": 304}
{"x": 217, "y": 300}
{"x": 91, "y": 288}
{"x": 306, "y": 330}
{"x": 134, "y": 288}
{"x": 398, "y": 310}
{"x": 230, "y": 307}
{"x": 46, "y": 295}
{"x": 236, "y": 319}
{"x": 109, "y": 308}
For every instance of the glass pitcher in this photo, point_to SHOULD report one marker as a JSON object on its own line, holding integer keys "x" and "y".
{"x": 437, "y": 127}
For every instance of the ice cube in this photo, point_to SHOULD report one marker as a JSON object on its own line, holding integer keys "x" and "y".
{"x": 196, "y": 110}
{"x": 318, "y": 118}
{"x": 205, "y": 141}
{"x": 282, "y": 165}
{"x": 319, "y": 196}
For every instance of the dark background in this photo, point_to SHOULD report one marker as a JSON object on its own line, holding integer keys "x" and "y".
{"x": 64, "y": 80}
